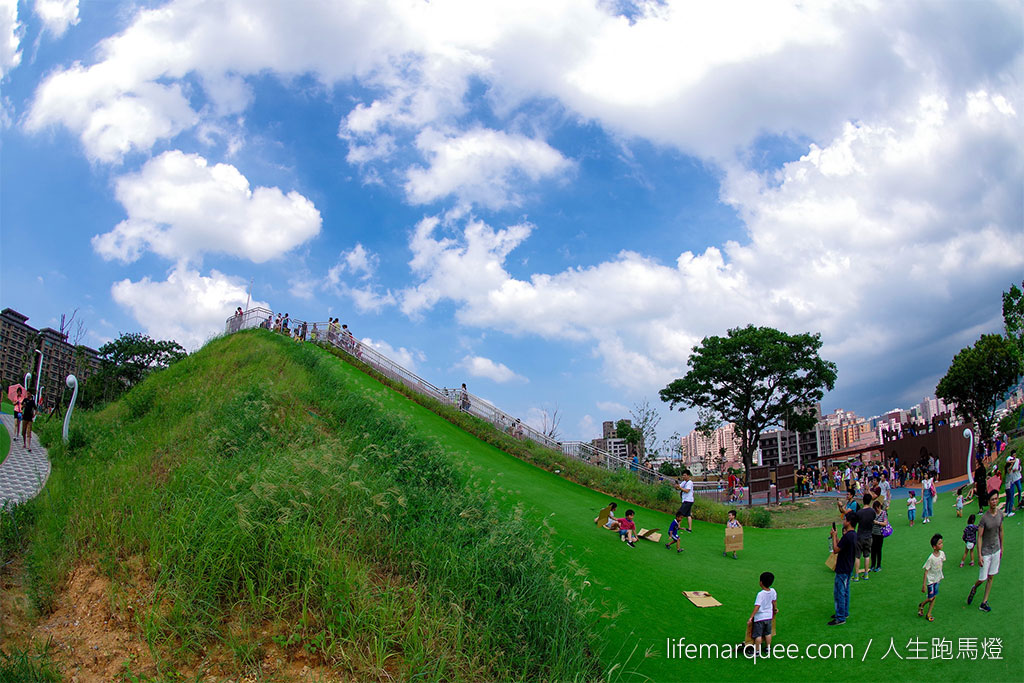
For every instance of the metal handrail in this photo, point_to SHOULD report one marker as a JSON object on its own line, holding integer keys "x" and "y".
{"x": 326, "y": 332}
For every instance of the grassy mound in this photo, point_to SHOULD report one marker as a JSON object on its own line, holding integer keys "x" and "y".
{"x": 270, "y": 501}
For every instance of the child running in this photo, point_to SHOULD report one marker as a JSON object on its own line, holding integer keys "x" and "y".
{"x": 970, "y": 542}
{"x": 733, "y": 523}
{"x": 673, "y": 533}
{"x": 765, "y": 609}
{"x": 911, "y": 507}
{"x": 627, "y": 529}
{"x": 932, "y": 576}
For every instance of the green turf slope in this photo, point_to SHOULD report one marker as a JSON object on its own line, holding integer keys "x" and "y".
{"x": 639, "y": 590}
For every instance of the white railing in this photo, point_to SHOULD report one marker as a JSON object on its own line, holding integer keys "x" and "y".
{"x": 323, "y": 332}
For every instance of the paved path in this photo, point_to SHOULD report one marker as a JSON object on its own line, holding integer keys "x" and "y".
{"x": 22, "y": 474}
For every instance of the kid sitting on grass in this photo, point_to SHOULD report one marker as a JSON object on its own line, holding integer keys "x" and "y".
{"x": 911, "y": 507}
{"x": 733, "y": 523}
{"x": 627, "y": 529}
{"x": 673, "y": 533}
{"x": 970, "y": 542}
{"x": 764, "y": 612}
{"x": 932, "y": 576}
{"x": 612, "y": 523}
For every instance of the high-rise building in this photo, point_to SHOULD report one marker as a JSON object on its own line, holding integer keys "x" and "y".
{"x": 19, "y": 343}
{"x": 610, "y": 442}
{"x": 783, "y": 446}
{"x": 718, "y": 451}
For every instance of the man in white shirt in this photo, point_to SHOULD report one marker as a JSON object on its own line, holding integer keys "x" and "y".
{"x": 1013, "y": 482}
{"x": 886, "y": 490}
{"x": 686, "y": 500}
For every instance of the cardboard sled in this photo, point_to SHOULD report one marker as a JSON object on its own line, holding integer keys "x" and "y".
{"x": 831, "y": 561}
{"x": 701, "y": 599}
{"x": 733, "y": 539}
{"x": 650, "y": 535}
{"x": 748, "y": 639}
{"x": 602, "y": 516}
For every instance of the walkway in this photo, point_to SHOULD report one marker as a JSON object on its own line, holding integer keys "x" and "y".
{"x": 22, "y": 474}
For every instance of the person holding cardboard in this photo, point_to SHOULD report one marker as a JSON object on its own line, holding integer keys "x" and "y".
{"x": 845, "y": 548}
{"x": 733, "y": 538}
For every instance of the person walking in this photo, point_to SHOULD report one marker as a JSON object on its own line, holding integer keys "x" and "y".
{"x": 990, "y": 538}
{"x": 19, "y": 401}
{"x": 686, "y": 500}
{"x": 878, "y": 535}
{"x": 928, "y": 495}
{"x": 28, "y": 413}
{"x": 1012, "y": 477}
{"x": 845, "y": 547}
{"x": 980, "y": 477}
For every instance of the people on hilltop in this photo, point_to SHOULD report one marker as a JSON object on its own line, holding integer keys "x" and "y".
{"x": 464, "y": 399}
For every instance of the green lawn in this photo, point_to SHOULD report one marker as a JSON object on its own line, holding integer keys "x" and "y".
{"x": 5, "y": 445}
{"x": 639, "y": 590}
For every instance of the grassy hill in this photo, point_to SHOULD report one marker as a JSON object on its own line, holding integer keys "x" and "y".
{"x": 272, "y": 498}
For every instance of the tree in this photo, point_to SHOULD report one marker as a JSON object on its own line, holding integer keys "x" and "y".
{"x": 645, "y": 421}
{"x": 753, "y": 377}
{"x": 550, "y": 423}
{"x": 125, "y": 362}
{"x": 978, "y": 378}
{"x": 1013, "y": 317}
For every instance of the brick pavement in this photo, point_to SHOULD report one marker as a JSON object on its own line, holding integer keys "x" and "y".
{"x": 22, "y": 474}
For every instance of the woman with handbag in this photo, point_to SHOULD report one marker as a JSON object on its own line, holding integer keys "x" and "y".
{"x": 880, "y": 530}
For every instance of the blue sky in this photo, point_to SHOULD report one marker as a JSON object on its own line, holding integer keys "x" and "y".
{"x": 552, "y": 201}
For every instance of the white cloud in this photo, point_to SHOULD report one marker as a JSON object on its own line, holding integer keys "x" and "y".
{"x": 707, "y": 78}
{"x": 862, "y": 239}
{"x": 57, "y": 15}
{"x": 403, "y": 356}
{"x": 478, "y": 366}
{"x": 180, "y": 207}
{"x": 361, "y": 264}
{"x": 480, "y": 167}
{"x": 586, "y": 427}
{"x": 10, "y": 36}
{"x": 613, "y": 408}
{"x": 187, "y": 307}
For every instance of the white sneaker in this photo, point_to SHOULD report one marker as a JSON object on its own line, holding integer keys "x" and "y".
{"x": 1011, "y": 514}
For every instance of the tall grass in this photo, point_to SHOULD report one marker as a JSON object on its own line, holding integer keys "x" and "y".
{"x": 264, "y": 493}
{"x": 621, "y": 483}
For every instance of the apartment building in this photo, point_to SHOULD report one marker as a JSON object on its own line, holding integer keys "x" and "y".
{"x": 19, "y": 342}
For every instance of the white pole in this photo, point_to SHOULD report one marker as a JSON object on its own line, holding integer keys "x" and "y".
{"x": 248, "y": 295}
{"x": 39, "y": 373}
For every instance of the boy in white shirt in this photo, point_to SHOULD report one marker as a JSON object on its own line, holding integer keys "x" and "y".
{"x": 932, "y": 576}
{"x": 764, "y": 612}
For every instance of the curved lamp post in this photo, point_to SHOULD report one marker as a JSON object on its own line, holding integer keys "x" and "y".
{"x": 968, "y": 434}
{"x": 72, "y": 383}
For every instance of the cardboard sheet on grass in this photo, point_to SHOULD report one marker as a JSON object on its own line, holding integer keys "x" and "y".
{"x": 701, "y": 599}
{"x": 733, "y": 539}
{"x": 650, "y": 535}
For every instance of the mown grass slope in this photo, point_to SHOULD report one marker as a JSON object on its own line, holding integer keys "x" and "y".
{"x": 271, "y": 499}
{"x": 638, "y": 591}
{"x": 230, "y": 432}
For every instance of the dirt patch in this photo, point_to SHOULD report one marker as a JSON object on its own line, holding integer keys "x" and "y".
{"x": 92, "y": 628}
{"x": 96, "y": 638}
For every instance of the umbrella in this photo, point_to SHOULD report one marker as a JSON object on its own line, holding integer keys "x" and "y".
{"x": 12, "y": 392}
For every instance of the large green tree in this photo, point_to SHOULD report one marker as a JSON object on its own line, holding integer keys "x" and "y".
{"x": 754, "y": 377}
{"x": 978, "y": 379}
{"x": 125, "y": 362}
{"x": 1013, "y": 316}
